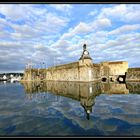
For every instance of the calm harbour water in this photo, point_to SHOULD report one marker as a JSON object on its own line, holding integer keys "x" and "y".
{"x": 69, "y": 109}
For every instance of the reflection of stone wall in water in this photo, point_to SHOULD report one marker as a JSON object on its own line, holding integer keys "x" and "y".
{"x": 133, "y": 87}
{"x": 83, "y": 92}
{"x": 78, "y": 90}
{"x": 114, "y": 88}
{"x": 73, "y": 90}
{"x": 133, "y": 74}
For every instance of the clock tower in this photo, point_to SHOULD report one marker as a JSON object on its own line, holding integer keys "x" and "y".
{"x": 85, "y": 54}
{"x": 85, "y": 66}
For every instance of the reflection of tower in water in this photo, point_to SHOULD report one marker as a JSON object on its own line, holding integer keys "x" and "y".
{"x": 86, "y": 93}
{"x": 83, "y": 92}
{"x": 87, "y": 105}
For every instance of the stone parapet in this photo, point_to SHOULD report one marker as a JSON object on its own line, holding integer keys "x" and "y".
{"x": 133, "y": 75}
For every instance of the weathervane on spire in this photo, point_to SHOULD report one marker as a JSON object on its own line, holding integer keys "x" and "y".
{"x": 84, "y": 47}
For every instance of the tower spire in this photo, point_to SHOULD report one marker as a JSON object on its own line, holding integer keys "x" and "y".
{"x": 85, "y": 54}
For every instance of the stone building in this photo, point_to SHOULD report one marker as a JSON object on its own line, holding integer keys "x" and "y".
{"x": 113, "y": 71}
{"x": 83, "y": 70}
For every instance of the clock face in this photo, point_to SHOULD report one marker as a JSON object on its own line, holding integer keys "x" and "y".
{"x": 85, "y": 52}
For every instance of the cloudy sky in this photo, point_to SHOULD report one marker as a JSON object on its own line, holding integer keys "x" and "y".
{"x": 55, "y": 33}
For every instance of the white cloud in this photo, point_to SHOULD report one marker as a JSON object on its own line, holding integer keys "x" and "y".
{"x": 12, "y": 11}
{"x": 9, "y": 44}
{"x": 16, "y": 12}
{"x": 62, "y": 7}
{"x": 55, "y": 21}
{"x": 117, "y": 10}
{"x": 124, "y": 47}
{"x": 61, "y": 44}
{"x": 125, "y": 29}
{"x": 77, "y": 45}
{"x": 86, "y": 28}
{"x": 75, "y": 53}
{"x": 93, "y": 13}
{"x": 81, "y": 28}
{"x": 123, "y": 12}
{"x": 104, "y": 22}
{"x": 127, "y": 40}
{"x": 72, "y": 47}
{"x": 3, "y": 23}
{"x": 42, "y": 26}
{"x": 36, "y": 18}
{"x": 51, "y": 23}
{"x": 38, "y": 46}
{"x": 3, "y": 35}
{"x": 133, "y": 37}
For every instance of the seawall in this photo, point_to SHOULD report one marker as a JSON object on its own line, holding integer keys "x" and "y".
{"x": 83, "y": 71}
{"x": 133, "y": 75}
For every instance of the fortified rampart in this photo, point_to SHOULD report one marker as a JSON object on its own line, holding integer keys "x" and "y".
{"x": 134, "y": 87}
{"x": 82, "y": 70}
{"x": 113, "y": 70}
{"x": 77, "y": 71}
{"x": 85, "y": 70}
{"x": 133, "y": 75}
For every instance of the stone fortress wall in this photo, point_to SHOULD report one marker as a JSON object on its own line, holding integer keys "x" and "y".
{"x": 113, "y": 70}
{"x": 76, "y": 71}
{"x": 133, "y": 75}
{"x": 84, "y": 70}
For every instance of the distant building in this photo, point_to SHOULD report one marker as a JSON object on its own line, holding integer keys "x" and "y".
{"x": 4, "y": 77}
{"x": 9, "y": 76}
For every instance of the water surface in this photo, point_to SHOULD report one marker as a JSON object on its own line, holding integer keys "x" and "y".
{"x": 69, "y": 109}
